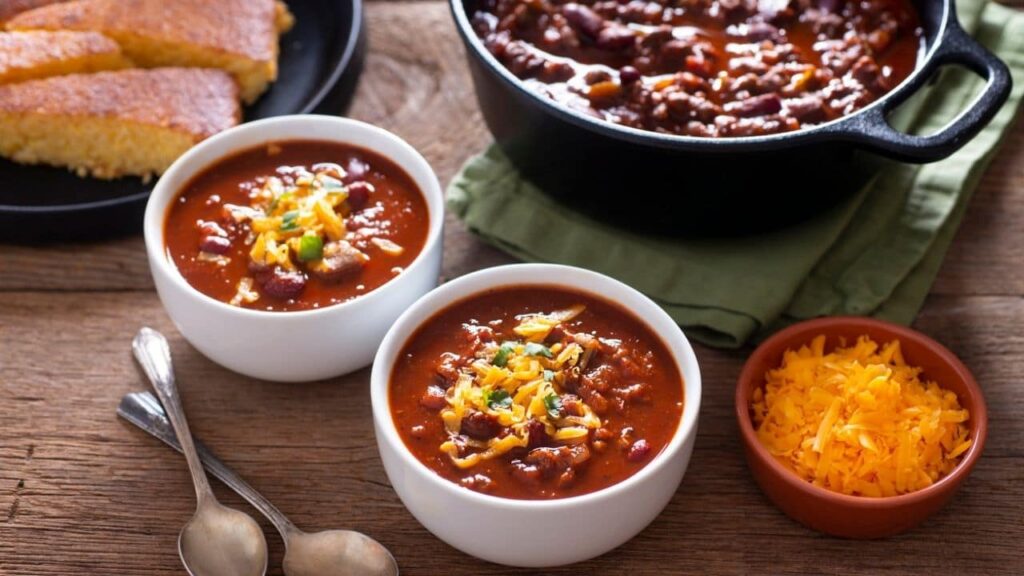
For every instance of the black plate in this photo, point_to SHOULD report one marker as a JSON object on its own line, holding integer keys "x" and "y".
{"x": 320, "y": 61}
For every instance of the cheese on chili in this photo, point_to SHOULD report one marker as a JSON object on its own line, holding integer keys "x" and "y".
{"x": 858, "y": 420}
{"x": 515, "y": 382}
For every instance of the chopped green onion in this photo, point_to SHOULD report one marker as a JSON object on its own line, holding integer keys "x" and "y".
{"x": 501, "y": 358}
{"x": 549, "y": 375}
{"x": 290, "y": 220}
{"x": 553, "y": 404}
{"x": 534, "y": 349}
{"x": 310, "y": 248}
{"x": 497, "y": 398}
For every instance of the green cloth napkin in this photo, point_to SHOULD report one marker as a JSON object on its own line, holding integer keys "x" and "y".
{"x": 875, "y": 254}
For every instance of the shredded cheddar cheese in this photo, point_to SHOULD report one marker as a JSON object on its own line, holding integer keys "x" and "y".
{"x": 516, "y": 382}
{"x": 858, "y": 420}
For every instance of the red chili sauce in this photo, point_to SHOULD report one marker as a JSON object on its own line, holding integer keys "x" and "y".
{"x": 296, "y": 225}
{"x": 569, "y": 392}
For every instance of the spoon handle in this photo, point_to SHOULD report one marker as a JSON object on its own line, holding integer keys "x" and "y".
{"x": 154, "y": 355}
{"x": 143, "y": 410}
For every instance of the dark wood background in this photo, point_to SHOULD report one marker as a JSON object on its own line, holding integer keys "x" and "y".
{"x": 81, "y": 492}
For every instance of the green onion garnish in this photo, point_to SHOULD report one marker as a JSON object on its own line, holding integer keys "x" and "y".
{"x": 501, "y": 358}
{"x": 549, "y": 375}
{"x": 497, "y": 399}
{"x": 534, "y": 349}
{"x": 290, "y": 220}
{"x": 553, "y": 404}
{"x": 310, "y": 248}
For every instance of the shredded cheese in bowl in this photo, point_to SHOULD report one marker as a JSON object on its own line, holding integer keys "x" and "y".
{"x": 516, "y": 382}
{"x": 858, "y": 420}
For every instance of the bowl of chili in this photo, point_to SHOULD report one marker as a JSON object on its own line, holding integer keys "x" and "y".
{"x": 732, "y": 114}
{"x": 518, "y": 404}
{"x": 888, "y": 402}
{"x": 283, "y": 249}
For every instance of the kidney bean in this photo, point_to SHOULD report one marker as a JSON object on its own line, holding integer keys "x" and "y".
{"x": 537, "y": 435}
{"x": 480, "y": 426}
{"x": 638, "y": 451}
{"x": 761, "y": 105}
{"x": 867, "y": 72}
{"x": 556, "y": 71}
{"x": 215, "y": 244}
{"x": 674, "y": 53}
{"x": 359, "y": 194}
{"x": 628, "y": 75}
{"x": 583, "y": 18}
{"x": 284, "y": 285}
{"x": 685, "y": 106}
{"x": 615, "y": 37}
{"x": 810, "y": 108}
{"x": 699, "y": 65}
{"x": 754, "y": 31}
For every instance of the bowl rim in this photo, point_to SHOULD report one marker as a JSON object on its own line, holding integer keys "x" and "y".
{"x": 540, "y": 275}
{"x": 192, "y": 163}
{"x": 748, "y": 379}
{"x": 782, "y": 140}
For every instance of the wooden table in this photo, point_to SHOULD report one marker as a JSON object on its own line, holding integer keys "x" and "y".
{"x": 82, "y": 492}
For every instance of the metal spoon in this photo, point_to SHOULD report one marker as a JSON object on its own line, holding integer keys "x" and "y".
{"x": 318, "y": 554}
{"x": 217, "y": 541}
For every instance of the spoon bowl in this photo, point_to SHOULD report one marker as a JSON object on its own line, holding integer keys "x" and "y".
{"x": 221, "y": 541}
{"x": 328, "y": 553}
{"x": 337, "y": 552}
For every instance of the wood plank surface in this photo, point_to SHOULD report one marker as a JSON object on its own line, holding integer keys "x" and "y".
{"x": 82, "y": 492}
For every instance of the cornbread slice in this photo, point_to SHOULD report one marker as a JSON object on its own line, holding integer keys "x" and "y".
{"x": 284, "y": 19}
{"x": 40, "y": 54}
{"x": 111, "y": 124}
{"x": 239, "y": 36}
{"x": 9, "y": 8}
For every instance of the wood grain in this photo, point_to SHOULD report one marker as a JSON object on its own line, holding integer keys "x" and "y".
{"x": 84, "y": 493}
{"x": 72, "y": 475}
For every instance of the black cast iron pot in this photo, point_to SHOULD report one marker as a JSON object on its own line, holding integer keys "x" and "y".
{"x": 723, "y": 185}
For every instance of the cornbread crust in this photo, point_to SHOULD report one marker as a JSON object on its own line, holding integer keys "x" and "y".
{"x": 110, "y": 124}
{"x": 239, "y": 36}
{"x": 40, "y": 54}
{"x": 9, "y": 8}
{"x": 285, "y": 20}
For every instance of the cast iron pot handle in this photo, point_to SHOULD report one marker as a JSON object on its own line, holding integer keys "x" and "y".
{"x": 873, "y": 131}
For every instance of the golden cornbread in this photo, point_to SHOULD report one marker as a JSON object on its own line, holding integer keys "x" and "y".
{"x": 111, "y": 124}
{"x": 239, "y": 36}
{"x": 284, "y": 17}
{"x": 40, "y": 54}
{"x": 9, "y": 8}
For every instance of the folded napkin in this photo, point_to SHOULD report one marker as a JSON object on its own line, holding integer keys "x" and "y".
{"x": 875, "y": 254}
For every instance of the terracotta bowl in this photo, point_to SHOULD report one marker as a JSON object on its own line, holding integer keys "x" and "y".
{"x": 856, "y": 516}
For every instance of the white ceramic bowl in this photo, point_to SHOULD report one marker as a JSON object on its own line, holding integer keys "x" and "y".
{"x": 302, "y": 345}
{"x": 535, "y": 533}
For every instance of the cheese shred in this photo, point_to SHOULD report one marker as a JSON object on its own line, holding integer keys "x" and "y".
{"x": 858, "y": 420}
